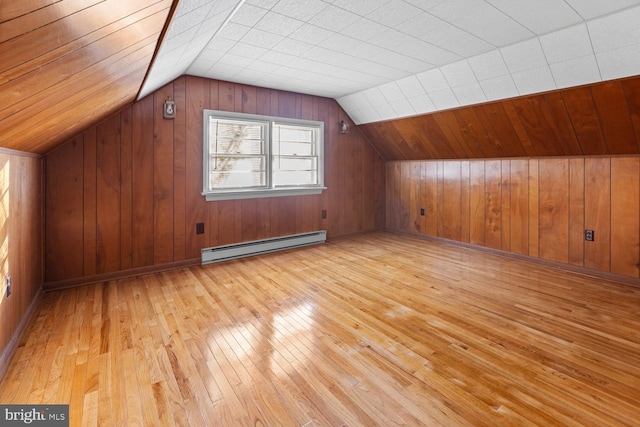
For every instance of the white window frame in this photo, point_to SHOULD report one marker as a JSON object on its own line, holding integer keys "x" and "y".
{"x": 269, "y": 190}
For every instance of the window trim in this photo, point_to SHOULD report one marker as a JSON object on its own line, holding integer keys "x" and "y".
{"x": 271, "y": 191}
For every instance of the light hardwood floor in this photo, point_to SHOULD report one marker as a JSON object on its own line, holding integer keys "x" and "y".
{"x": 376, "y": 329}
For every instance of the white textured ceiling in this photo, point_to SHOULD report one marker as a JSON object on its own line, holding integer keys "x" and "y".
{"x": 385, "y": 59}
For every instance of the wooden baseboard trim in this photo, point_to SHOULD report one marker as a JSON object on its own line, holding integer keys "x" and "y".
{"x": 12, "y": 346}
{"x": 612, "y": 277}
{"x": 122, "y": 274}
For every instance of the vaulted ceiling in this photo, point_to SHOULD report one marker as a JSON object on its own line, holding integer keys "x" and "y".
{"x": 66, "y": 64}
{"x": 596, "y": 120}
{"x": 386, "y": 59}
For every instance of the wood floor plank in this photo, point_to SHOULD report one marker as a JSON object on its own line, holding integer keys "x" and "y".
{"x": 89, "y": 410}
{"x": 288, "y": 364}
{"x": 375, "y": 329}
{"x": 105, "y": 383}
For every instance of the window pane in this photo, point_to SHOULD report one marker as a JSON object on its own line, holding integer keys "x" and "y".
{"x": 237, "y": 172}
{"x": 236, "y": 137}
{"x": 224, "y": 180}
{"x": 295, "y": 150}
{"x": 294, "y": 140}
{"x": 295, "y": 133}
{"x": 283, "y": 148}
{"x": 237, "y": 164}
{"x": 291, "y": 171}
{"x": 249, "y": 155}
{"x": 293, "y": 178}
{"x": 237, "y": 151}
{"x": 237, "y": 146}
{"x": 295, "y": 163}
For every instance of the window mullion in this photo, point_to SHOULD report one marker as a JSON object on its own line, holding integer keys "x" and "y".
{"x": 269, "y": 149}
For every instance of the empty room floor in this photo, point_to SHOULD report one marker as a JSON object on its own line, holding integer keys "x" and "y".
{"x": 374, "y": 329}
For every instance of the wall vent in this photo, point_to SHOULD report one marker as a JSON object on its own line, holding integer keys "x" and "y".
{"x": 256, "y": 247}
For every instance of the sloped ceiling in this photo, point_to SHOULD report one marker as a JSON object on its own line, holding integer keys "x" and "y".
{"x": 66, "y": 64}
{"x": 387, "y": 59}
{"x": 598, "y": 119}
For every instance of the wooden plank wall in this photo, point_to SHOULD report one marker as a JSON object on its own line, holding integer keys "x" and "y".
{"x": 597, "y": 119}
{"x": 534, "y": 207}
{"x": 125, "y": 194}
{"x": 21, "y": 195}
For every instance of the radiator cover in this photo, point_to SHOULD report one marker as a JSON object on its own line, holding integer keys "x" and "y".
{"x": 256, "y": 247}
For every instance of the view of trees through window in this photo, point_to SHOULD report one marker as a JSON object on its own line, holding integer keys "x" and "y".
{"x": 238, "y": 154}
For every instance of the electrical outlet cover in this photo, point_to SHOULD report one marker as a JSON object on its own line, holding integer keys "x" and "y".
{"x": 589, "y": 235}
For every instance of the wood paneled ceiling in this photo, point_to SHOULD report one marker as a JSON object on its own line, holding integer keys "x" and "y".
{"x": 66, "y": 64}
{"x": 600, "y": 119}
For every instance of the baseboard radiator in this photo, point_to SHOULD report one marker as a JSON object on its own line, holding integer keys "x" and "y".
{"x": 256, "y": 247}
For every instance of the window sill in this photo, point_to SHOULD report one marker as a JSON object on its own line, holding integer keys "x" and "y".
{"x": 255, "y": 194}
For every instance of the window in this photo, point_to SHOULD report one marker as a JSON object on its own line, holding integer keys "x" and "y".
{"x": 247, "y": 156}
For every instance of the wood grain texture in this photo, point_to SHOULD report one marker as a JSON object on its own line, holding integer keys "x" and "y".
{"x": 465, "y": 202}
{"x": 499, "y": 128}
{"x": 576, "y": 211}
{"x": 472, "y": 130}
{"x": 440, "y": 199}
{"x": 461, "y": 338}
{"x": 597, "y": 119}
{"x": 163, "y": 176}
{"x": 393, "y": 197}
{"x": 533, "y": 207}
{"x": 64, "y": 213}
{"x": 142, "y": 178}
{"x": 567, "y": 137}
{"x": 476, "y": 203}
{"x": 519, "y": 206}
{"x": 179, "y": 172}
{"x": 598, "y": 212}
{"x": 68, "y": 65}
{"x": 90, "y": 201}
{"x": 429, "y": 189}
{"x": 452, "y": 198}
{"x": 632, "y": 94}
{"x": 139, "y": 191}
{"x": 535, "y": 117}
{"x": 108, "y": 195}
{"x": 21, "y": 237}
{"x": 506, "y": 205}
{"x": 197, "y": 98}
{"x": 416, "y": 196}
{"x": 582, "y": 111}
{"x": 405, "y": 195}
{"x": 554, "y": 210}
{"x": 625, "y": 224}
{"x": 126, "y": 187}
{"x": 493, "y": 204}
{"x": 613, "y": 113}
